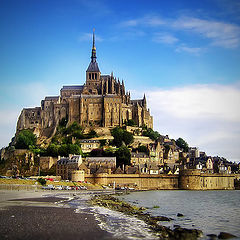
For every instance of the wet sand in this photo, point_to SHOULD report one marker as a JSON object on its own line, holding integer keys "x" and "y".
{"x": 27, "y": 217}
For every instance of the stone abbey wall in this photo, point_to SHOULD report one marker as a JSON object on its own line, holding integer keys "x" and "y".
{"x": 195, "y": 180}
{"x": 186, "y": 180}
{"x": 141, "y": 182}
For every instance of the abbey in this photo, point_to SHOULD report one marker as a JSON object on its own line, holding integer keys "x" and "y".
{"x": 101, "y": 102}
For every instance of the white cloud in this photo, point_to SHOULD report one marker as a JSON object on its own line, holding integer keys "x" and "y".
{"x": 206, "y": 116}
{"x": 222, "y": 34}
{"x": 153, "y": 21}
{"x": 130, "y": 23}
{"x": 23, "y": 96}
{"x": 165, "y": 38}
{"x": 191, "y": 50}
{"x": 148, "y": 20}
{"x": 89, "y": 36}
{"x": 8, "y": 123}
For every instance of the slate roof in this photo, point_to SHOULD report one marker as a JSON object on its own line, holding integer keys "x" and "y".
{"x": 50, "y": 98}
{"x": 93, "y": 67}
{"x": 74, "y": 87}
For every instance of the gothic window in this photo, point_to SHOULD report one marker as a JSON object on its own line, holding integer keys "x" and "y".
{"x": 95, "y": 76}
{"x": 92, "y": 75}
{"x": 89, "y": 75}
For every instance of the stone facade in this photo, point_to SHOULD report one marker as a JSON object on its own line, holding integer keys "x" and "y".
{"x": 101, "y": 102}
{"x": 194, "y": 179}
{"x": 47, "y": 162}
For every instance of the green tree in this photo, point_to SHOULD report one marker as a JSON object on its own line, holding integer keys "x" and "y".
{"x": 74, "y": 127}
{"x": 117, "y": 133}
{"x": 63, "y": 150}
{"x": 127, "y": 137}
{"x": 53, "y": 150}
{"x": 154, "y": 135}
{"x": 182, "y": 144}
{"x": 123, "y": 156}
{"x": 92, "y": 133}
{"x": 130, "y": 122}
{"x": 25, "y": 139}
{"x": 74, "y": 149}
{"x": 42, "y": 181}
{"x": 121, "y": 136}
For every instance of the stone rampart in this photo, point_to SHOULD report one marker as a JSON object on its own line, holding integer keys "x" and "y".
{"x": 195, "y": 180}
{"x": 138, "y": 181}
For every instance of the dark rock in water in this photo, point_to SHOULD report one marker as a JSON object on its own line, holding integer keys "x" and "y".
{"x": 180, "y": 215}
{"x": 187, "y": 234}
{"x": 212, "y": 236}
{"x": 176, "y": 226}
{"x": 225, "y": 235}
{"x": 162, "y": 218}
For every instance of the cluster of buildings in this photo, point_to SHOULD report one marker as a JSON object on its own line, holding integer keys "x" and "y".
{"x": 161, "y": 157}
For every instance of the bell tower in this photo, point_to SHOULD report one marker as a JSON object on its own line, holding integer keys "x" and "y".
{"x": 93, "y": 73}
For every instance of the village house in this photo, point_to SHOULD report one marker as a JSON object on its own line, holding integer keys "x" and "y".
{"x": 47, "y": 162}
{"x": 87, "y": 145}
{"x": 139, "y": 158}
{"x": 171, "y": 155}
{"x": 100, "y": 164}
{"x": 156, "y": 151}
{"x": 65, "y": 166}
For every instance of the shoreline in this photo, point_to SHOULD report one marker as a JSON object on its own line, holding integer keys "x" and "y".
{"x": 55, "y": 212}
{"x": 41, "y": 215}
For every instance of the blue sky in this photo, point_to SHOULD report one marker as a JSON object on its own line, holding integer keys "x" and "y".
{"x": 184, "y": 54}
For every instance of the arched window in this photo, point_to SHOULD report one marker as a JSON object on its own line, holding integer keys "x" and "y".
{"x": 89, "y": 75}
{"x": 95, "y": 76}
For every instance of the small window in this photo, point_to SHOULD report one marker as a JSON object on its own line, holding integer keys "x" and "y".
{"x": 89, "y": 75}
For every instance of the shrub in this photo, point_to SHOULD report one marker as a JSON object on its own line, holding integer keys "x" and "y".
{"x": 25, "y": 139}
{"x": 42, "y": 181}
{"x": 121, "y": 136}
{"x": 123, "y": 156}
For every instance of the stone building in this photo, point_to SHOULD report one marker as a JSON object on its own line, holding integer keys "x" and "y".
{"x": 65, "y": 166}
{"x": 87, "y": 145}
{"x": 101, "y": 101}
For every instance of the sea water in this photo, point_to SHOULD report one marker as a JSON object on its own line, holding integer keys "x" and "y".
{"x": 210, "y": 211}
{"x": 120, "y": 225}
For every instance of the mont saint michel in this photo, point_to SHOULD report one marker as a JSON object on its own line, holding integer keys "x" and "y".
{"x": 96, "y": 133}
{"x": 101, "y": 101}
{"x": 131, "y": 131}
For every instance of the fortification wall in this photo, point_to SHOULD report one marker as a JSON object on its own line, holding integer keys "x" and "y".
{"x": 195, "y": 180}
{"x": 138, "y": 181}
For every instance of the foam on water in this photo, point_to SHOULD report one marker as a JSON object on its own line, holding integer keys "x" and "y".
{"x": 120, "y": 225}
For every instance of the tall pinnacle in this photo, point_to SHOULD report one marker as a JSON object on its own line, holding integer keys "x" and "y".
{"x": 93, "y": 57}
{"x": 93, "y": 66}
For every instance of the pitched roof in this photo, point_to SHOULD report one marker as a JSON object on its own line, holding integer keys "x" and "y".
{"x": 74, "y": 87}
{"x": 93, "y": 67}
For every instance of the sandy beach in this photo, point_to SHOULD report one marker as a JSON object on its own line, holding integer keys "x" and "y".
{"x": 36, "y": 215}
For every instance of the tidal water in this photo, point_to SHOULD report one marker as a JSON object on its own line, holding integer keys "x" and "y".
{"x": 210, "y": 211}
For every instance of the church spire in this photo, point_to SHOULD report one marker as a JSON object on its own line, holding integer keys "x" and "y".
{"x": 93, "y": 57}
{"x": 93, "y": 66}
